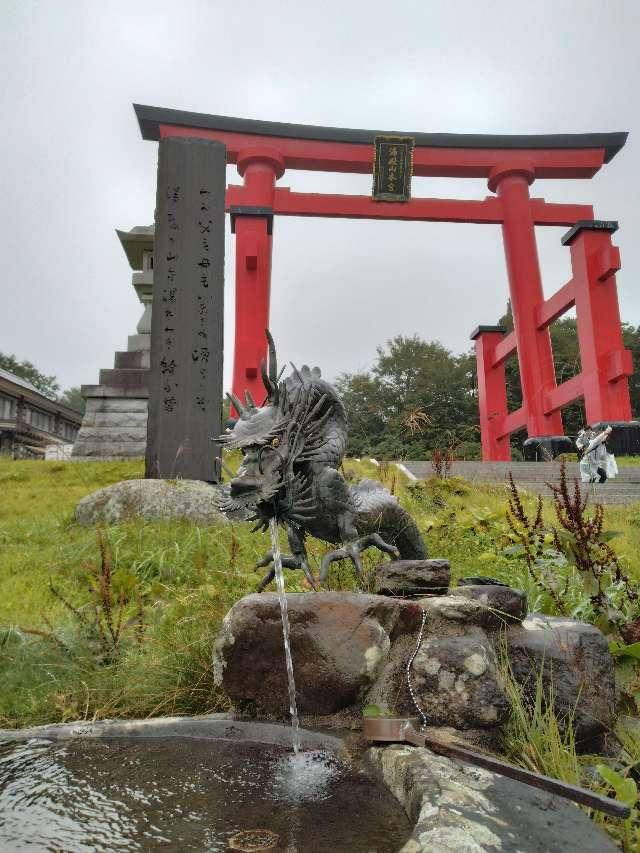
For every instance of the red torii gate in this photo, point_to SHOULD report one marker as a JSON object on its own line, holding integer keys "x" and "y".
{"x": 263, "y": 151}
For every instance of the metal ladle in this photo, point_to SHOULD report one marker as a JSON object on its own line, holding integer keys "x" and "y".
{"x": 402, "y": 730}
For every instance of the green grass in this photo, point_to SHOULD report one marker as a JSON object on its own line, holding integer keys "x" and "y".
{"x": 185, "y": 577}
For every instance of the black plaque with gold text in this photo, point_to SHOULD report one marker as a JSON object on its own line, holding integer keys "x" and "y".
{"x": 392, "y": 168}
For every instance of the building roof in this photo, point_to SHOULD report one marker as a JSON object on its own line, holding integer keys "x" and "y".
{"x": 22, "y": 388}
{"x": 150, "y": 119}
{"x": 18, "y": 380}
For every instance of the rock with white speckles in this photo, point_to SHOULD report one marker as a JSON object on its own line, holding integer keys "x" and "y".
{"x": 457, "y": 681}
{"x": 459, "y": 808}
{"x": 153, "y": 500}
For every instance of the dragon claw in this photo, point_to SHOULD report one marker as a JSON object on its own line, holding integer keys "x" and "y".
{"x": 352, "y": 551}
{"x": 289, "y": 561}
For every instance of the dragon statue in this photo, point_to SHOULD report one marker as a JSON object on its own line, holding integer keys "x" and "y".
{"x": 293, "y": 446}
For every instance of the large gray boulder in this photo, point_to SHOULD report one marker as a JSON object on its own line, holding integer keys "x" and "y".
{"x": 339, "y": 643}
{"x": 350, "y": 650}
{"x": 577, "y": 671}
{"x": 153, "y": 500}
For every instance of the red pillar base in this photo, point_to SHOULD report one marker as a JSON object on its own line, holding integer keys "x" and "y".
{"x": 492, "y": 394}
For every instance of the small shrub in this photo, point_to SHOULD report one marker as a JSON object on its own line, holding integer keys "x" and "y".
{"x": 533, "y": 542}
{"x": 572, "y": 561}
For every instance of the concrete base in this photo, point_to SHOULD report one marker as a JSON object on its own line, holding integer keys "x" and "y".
{"x": 114, "y": 425}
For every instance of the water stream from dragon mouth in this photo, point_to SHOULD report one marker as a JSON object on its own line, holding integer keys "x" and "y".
{"x": 284, "y": 612}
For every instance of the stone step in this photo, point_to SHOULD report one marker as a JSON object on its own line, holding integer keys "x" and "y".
{"x": 129, "y": 378}
{"x": 109, "y": 391}
{"x": 137, "y": 359}
{"x": 534, "y": 476}
{"x": 526, "y": 471}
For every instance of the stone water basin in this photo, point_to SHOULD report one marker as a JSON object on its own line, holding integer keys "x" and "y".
{"x": 188, "y": 784}
{"x": 191, "y": 783}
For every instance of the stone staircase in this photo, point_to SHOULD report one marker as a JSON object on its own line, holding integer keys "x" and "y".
{"x": 533, "y": 477}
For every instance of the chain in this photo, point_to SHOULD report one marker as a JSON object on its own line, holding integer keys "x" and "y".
{"x": 414, "y": 698}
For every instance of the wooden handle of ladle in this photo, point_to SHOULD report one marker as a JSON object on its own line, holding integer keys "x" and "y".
{"x": 536, "y": 780}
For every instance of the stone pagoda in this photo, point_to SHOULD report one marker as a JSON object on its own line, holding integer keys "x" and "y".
{"x": 115, "y": 421}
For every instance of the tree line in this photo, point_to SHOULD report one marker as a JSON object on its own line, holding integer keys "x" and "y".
{"x": 418, "y": 397}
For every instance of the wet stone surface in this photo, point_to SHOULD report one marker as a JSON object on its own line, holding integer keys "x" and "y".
{"x": 184, "y": 794}
{"x": 339, "y": 644}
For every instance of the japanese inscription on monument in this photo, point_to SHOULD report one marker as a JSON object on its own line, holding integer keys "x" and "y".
{"x": 185, "y": 403}
{"x": 392, "y": 168}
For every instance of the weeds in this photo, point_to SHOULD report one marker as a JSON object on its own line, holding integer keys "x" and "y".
{"x": 539, "y": 739}
{"x": 571, "y": 560}
{"x": 532, "y": 543}
{"x": 535, "y": 737}
{"x": 441, "y": 461}
{"x": 584, "y": 542}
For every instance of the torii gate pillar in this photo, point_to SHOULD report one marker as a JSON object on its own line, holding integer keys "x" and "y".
{"x": 535, "y": 357}
{"x": 253, "y": 225}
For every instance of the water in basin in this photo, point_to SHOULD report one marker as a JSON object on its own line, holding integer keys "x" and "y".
{"x": 180, "y": 794}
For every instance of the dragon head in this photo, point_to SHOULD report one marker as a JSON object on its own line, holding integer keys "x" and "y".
{"x": 279, "y": 442}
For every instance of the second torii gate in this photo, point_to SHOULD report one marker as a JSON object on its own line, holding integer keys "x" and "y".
{"x": 263, "y": 151}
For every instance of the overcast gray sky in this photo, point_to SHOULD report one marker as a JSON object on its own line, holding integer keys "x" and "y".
{"x": 74, "y": 166}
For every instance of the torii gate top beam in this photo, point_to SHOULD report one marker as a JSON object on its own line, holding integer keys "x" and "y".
{"x": 333, "y": 149}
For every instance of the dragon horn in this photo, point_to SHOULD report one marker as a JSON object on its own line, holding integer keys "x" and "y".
{"x": 273, "y": 362}
{"x": 273, "y": 390}
{"x": 250, "y": 402}
{"x": 236, "y": 403}
{"x": 265, "y": 379}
